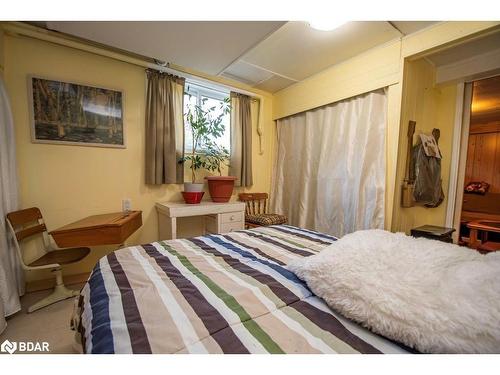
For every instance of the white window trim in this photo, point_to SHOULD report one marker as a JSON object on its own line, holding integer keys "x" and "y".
{"x": 199, "y": 91}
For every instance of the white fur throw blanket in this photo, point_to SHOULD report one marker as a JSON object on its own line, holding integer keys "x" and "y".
{"x": 431, "y": 296}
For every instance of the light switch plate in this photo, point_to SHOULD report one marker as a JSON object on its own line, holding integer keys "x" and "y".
{"x": 126, "y": 204}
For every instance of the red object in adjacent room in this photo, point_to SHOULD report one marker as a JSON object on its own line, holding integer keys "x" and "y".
{"x": 192, "y": 197}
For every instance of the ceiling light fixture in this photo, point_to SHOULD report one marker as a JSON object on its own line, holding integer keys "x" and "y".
{"x": 326, "y": 25}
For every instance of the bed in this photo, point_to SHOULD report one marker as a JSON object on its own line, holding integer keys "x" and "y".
{"x": 228, "y": 293}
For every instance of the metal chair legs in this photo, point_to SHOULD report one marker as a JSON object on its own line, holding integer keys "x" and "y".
{"x": 59, "y": 293}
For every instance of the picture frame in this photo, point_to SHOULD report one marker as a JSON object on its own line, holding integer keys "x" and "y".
{"x": 72, "y": 113}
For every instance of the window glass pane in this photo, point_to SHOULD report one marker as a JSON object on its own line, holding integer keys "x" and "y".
{"x": 189, "y": 101}
{"x": 206, "y": 101}
{"x": 216, "y": 103}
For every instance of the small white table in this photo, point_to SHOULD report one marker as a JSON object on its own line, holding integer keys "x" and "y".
{"x": 219, "y": 217}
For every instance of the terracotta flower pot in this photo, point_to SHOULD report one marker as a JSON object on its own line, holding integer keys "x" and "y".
{"x": 221, "y": 187}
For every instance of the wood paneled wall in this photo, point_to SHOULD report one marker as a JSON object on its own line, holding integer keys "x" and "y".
{"x": 485, "y": 109}
{"x": 483, "y": 154}
{"x": 483, "y": 160}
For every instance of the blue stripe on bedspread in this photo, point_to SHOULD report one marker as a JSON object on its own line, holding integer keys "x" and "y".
{"x": 102, "y": 335}
{"x": 281, "y": 270}
{"x": 314, "y": 233}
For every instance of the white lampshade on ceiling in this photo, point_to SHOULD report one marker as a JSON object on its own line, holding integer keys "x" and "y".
{"x": 326, "y": 24}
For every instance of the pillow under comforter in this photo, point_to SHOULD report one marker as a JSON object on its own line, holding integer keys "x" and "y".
{"x": 431, "y": 296}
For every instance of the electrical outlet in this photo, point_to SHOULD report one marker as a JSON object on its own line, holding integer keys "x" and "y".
{"x": 126, "y": 204}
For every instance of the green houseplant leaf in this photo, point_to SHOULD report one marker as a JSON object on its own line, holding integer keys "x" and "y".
{"x": 206, "y": 126}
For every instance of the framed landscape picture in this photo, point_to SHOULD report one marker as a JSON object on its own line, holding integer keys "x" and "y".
{"x": 70, "y": 113}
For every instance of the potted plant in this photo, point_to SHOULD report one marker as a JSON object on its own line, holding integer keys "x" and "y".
{"x": 206, "y": 126}
{"x": 220, "y": 187}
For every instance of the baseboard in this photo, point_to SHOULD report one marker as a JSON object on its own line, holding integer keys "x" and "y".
{"x": 45, "y": 284}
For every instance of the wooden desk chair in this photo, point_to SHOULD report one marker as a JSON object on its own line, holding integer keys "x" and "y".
{"x": 481, "y": 228}
{"x": 256, "y": 211}
{"x": 27, "y": 223}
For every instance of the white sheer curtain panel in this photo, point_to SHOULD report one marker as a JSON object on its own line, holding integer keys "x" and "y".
{"x": 11, "y": 274}
{"x": 330, "y": 166}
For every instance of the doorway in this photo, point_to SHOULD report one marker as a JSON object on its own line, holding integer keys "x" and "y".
{"x": 477, "y": 206}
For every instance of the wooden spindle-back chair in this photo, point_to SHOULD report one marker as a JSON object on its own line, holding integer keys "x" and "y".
{"x": 256, "y": 214}
{"x": 256, "y": 203}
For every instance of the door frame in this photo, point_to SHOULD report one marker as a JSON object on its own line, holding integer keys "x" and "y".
{"x": 459, "y": 157}
{"x": 456, "y": 151}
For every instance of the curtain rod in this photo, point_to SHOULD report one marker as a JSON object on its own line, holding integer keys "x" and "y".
{"x": 203, "y": 82}
{"x": 217, "y": 88}
{"x": 20, "y": 29}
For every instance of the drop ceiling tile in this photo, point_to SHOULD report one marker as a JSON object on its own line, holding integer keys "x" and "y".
{"x": 236, "y": 78}
{"x": 207, "y": 46}
{"x": 249, "y": 73}
{"x": 298, "y": 51}
{"x": 275, "y": 83}
{"x": 409, "y": 27}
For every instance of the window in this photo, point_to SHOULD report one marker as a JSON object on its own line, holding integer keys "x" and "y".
{"x": 205, "y": 98}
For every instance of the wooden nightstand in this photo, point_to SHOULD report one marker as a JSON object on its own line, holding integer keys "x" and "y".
{"x": 434, "y": 233}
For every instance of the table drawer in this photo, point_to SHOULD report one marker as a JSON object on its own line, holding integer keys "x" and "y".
{"x": 232, "y": 217}
{"x": 228, "y": 222}
{"x": 230, "y": 227}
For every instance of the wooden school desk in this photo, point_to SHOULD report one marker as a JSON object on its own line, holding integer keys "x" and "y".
{"x": 96, "y": 230}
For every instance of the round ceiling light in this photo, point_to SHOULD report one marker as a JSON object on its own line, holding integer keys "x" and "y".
{"x": 326, "y": 25}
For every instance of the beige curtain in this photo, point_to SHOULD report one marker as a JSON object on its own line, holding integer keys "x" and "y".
{"x": 240, "y": 164}
{"x": 11, "y": 273}
{"x": 164, "y": 128}
{"x": 330, "y": 166}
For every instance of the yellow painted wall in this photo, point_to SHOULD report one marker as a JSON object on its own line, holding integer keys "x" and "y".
{"x": 71, "y": 182}
{"x": 431, "y": 107}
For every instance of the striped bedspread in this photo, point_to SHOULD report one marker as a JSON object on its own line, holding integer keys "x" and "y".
{"x": 225, "y": 293}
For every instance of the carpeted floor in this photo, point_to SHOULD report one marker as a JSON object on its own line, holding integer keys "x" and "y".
{"x": 50, "y": 324}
